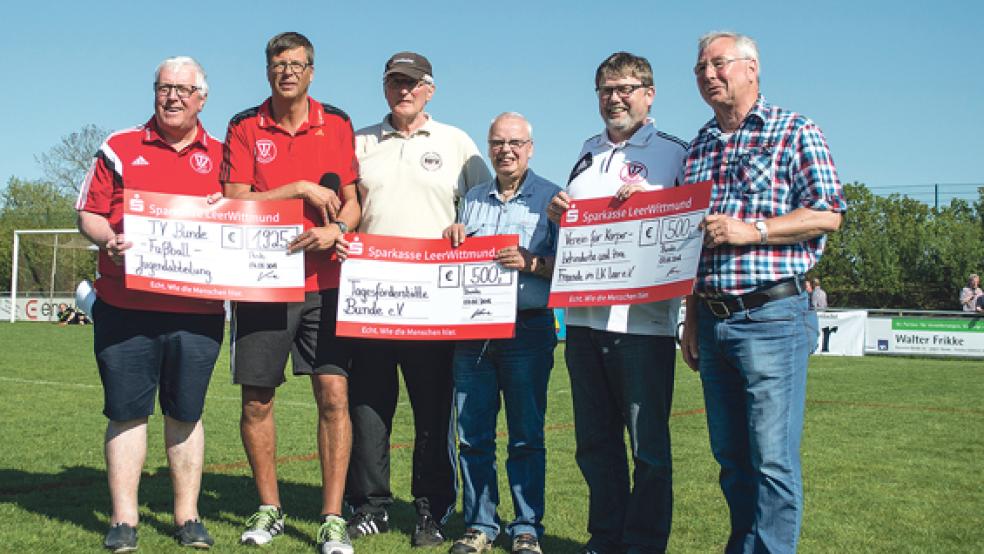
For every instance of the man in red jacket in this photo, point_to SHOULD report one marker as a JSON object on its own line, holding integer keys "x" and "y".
{"x": 292, "y": 146}
{"x": 147, "y": 342}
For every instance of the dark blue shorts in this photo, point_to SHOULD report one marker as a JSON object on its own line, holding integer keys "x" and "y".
{"x": 264, "y": 333}
{"x": 141, "y": 352}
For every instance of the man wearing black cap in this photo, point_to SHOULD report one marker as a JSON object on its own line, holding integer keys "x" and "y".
{"x": 412, "y": 171}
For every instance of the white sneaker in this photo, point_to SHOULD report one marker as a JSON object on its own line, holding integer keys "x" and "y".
{"x": 333, "y": 537}
{"x": 261, "y": 527}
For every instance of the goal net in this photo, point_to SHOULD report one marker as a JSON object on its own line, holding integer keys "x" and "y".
{"x": 47, "y": 266}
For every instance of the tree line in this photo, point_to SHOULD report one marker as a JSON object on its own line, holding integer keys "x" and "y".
{"x": 49, "y": 203}
{"x": 891, "y": 251}
{"x": 896, "y": 252}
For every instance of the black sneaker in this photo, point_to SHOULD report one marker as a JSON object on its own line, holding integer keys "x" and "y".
{"x": 367, "y": 523}
{"x": 121, "y": 538}
{"x": 427, "y": 531}
{"x": 193, "y": 534}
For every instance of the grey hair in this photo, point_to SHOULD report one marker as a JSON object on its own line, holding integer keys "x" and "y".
{"x": 513, "y": 115}
{"x": 745, "y": 44}
{"x": 175, "y": 62}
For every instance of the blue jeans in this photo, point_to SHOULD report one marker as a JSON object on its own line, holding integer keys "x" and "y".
{"x": 753, "y": 368}
{"x": 519, "y": 368}
{"x": 621, "y": 381}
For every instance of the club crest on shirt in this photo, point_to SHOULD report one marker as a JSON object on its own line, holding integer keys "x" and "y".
{"x": 266, "y": 151}
{"x": 633, "y": 172}
{"x": 431, "y": 161}
{"x": 201, "y": 163}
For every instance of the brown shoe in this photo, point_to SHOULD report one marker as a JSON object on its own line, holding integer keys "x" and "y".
{"x": 526, "y": 544}
{"x": 474, "y": 541}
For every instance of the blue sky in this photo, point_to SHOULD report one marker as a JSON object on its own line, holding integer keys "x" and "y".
{"x": 898, "y": 88}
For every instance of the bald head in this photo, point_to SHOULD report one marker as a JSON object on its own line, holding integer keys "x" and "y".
{"x": 514, "y": 116}
{"x": 510, "y": 146}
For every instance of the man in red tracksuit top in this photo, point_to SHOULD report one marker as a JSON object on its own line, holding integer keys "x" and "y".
{"x": 148, "y": 344}
{"x": 290, "y": 147}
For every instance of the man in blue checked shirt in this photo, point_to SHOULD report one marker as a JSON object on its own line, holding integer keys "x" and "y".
{"x": 514, "y": 202}
{"x": 748, "y": 329}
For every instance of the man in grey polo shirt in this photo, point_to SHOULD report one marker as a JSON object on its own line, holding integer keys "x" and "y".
{"x": 412, "y": 170}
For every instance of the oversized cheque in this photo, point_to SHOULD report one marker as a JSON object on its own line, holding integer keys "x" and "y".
{"x": 644, "y": 249}
{"x": 423, "y": 289}
{"x": 229, "y": 250}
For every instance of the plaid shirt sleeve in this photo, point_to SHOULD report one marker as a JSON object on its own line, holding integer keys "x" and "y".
{"x": 814, "y": 176}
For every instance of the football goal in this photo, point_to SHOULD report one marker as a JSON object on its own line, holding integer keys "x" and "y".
{"x": 47, "y": 265}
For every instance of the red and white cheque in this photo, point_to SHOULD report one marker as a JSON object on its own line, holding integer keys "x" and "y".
{"x": 644, "y": 249}
{"x": 423, "y": 289}
{"x": 229, "y": 250}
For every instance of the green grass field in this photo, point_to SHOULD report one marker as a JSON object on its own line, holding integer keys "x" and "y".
{"x": 893, "y": 459}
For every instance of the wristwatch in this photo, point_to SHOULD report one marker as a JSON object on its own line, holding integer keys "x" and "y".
{"x": 763, "y": 231}
{"x": 341, "y": 226}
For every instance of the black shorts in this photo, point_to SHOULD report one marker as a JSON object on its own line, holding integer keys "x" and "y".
{"x": 263, "y": 333}
{"x": 142, "y": 352}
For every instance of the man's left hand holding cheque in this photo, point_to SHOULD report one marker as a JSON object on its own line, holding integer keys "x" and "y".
{"x": 99, "y": 231}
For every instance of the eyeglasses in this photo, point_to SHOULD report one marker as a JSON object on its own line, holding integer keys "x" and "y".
{"x": 183, "y": 91}
{"x": 401, "y": 83}
{"x": 295, "y": 67}
{"x": 499, "y": 144}
{"x": 623, "y": 91}
{"x": 719, "y": 64}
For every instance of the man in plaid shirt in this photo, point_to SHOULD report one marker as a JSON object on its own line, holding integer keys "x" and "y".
{"x": 748, "y": 328}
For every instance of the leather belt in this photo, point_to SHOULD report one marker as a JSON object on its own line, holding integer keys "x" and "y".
{"x": 723, "y": 305}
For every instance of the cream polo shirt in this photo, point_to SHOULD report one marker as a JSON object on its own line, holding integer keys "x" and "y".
{"x": 409, "y": 185}
{"x": 654, "y": 160}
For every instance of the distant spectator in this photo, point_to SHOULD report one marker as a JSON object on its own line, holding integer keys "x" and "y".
{"x": 68, "y": 315}
{"x": 970, "y": 296}
{"x": 818, "y": 298}
{"x": 808, "y": 287}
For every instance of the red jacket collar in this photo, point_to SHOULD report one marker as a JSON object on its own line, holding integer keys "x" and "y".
{"x": 316, "y": 115}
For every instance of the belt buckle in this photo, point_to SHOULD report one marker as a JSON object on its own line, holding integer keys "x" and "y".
{"x": 718, "y": 308}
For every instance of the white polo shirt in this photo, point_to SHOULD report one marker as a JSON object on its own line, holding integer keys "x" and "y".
{"x": 655, "y": 160}
{"x": 409, "y": 185}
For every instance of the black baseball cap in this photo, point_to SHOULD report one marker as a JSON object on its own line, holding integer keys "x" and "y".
{"x": 411, "y": 64}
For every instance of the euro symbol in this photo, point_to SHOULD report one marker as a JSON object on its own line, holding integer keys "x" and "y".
{"x": 447, "y": 276}
{"x": 232, "y": 237}
{"x": 649, "y": 232}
